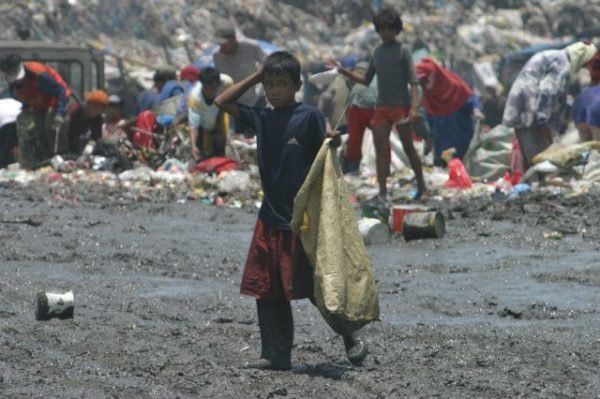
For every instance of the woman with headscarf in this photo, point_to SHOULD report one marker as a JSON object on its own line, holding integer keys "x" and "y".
{"x": 450, "y": 106}
{"x": 536, "y": 103}
{"x": 586, "y": 108}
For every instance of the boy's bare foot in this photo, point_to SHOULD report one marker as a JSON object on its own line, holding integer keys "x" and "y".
{"x": 356, "y": 349}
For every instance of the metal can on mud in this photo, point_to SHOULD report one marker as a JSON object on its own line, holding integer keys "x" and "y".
{"x": 51, "y": 305}
{"x": 399, "y": 212}
{"x": 423, "y": 225}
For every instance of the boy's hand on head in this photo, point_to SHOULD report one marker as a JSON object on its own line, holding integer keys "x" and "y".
{"x": 336, "y": 138}
{"x": 259, "y": 73}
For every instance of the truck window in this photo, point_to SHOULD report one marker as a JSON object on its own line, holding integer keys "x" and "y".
{"x": 72, "y": 73}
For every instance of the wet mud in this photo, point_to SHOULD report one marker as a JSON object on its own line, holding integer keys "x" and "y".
{"x": 505, "y": 305}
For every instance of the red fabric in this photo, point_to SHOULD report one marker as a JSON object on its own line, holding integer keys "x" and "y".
{"x": 449, "y": 92}
{"x": 517, "y": 164}
{"x": 593, "y": 67}
{"x": 277, "y": 268}
{"x": 389, "y": 115}
{"x": 216, "y": 164}
{"x": 29, "y": 92}
{"x": 358, "y": 121}
{"x": 513, "y": 179}
{"x": 458, "y": 177}
{"x": 144, "y": 129}
{"x": 189, "y": 72}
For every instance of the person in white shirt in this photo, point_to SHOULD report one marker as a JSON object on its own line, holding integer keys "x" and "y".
{"x": 206, "y": 122}
{"x": 9, "y": 110}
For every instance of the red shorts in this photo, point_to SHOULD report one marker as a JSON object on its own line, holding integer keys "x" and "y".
{"x": 389, "y": 115}
{"x": 358, "y": 120}
{"x": 277, "y": 268}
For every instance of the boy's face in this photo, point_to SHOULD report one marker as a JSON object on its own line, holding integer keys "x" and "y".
{"x": 280, "y": 89}
{"x": 210, "y": 90}
{"x": 387, "y": 34}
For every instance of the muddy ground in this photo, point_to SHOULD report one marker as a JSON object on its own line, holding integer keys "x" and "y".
{"x": 493, "y": 310}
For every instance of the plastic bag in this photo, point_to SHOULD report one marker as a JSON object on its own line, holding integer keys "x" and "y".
{"x": 217, "y": 165}
{"x": 144, "y": 130}
{"x": 234, "y": 181}
{"x": 323, "y": 78}
{"x": 457, "y": 175}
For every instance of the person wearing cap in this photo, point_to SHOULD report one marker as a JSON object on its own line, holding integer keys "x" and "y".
{"x": 586, "y": 108}
{"x": 206, "y": 121}
{"x": 537, "y": 100}
{"x": 450, "y": 106}
{"x": 85, "y": 120}
{"x": 44, "y": 95}
{"x": 112, "y": 129}
{"x": 238, "y": 58}
{"x": 188, "y": 76}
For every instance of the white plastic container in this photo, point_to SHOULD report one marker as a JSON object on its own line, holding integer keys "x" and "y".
{"x": 374, "y": 232}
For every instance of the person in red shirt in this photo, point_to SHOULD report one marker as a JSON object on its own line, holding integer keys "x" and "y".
{"x": 44, "y": 95}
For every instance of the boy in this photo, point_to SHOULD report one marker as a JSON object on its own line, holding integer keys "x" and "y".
{"x": 392, "y": 63}
{"x": 204, "y": 117}
{"x": 277, "y": 269}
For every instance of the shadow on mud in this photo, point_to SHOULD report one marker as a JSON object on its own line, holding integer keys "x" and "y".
{"x": 325, "y": 370}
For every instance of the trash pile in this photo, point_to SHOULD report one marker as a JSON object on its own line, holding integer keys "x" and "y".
{"x": 146, "y": 34}
{"x": 124, "y": 173}
{"x": 176, "y": 32}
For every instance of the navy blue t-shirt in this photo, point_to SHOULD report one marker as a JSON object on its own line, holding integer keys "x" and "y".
{"x": 288, "y": 140}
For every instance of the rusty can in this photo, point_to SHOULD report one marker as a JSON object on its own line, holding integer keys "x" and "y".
{"x": 423, "y": 225}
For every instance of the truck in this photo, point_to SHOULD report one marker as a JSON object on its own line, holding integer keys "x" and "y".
{"x": 82, "y": 68}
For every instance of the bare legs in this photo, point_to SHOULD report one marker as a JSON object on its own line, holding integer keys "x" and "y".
{"x": 381, "y": 139}
{"x": 405, "y": 133}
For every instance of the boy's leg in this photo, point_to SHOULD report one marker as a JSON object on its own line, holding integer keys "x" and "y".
{"x": 266, "y": 349}
{"x": 283, "y": 335}
{"x": 276, "y": 325}
{"x": 219, "y": 140}
{"x": 405, "y": 133}
{"x": 356, "y": 348}
{"x": 381, "y": 139}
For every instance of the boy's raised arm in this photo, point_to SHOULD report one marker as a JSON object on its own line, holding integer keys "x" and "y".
{"x": 226, "y": 100}
{"x": 332, "y": 63}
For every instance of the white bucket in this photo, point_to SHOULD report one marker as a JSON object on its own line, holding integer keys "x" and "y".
{"x": 374, "y": 232}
